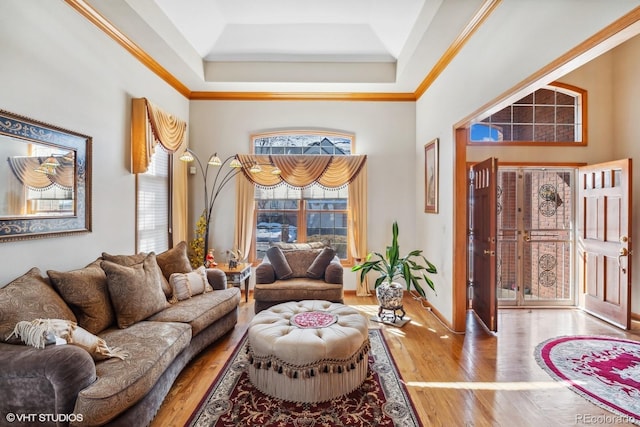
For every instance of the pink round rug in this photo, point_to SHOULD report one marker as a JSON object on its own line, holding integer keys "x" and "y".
{"x": 604, "y": 370}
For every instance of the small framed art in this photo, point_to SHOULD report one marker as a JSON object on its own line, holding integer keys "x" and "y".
{"x": 431, "y": 176}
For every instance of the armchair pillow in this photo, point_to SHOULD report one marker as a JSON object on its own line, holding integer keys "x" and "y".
{"x": 29, "y": 297}
{"x": 85, "y": 290}
{"x": 317, "y": 267}
{"x": 279, "y": 263}
{"x": 136, "y": 291}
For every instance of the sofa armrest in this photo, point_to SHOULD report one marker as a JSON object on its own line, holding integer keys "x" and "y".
{"x": 217, "y": 279}
{"x": 43, "y": 381}
{"x": 265, "y": 272}
{"x": 334, "y": 272}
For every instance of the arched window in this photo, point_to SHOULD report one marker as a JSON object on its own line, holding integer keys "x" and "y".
{"x": 551, "y": 115}
{"x": 310, "y": 214}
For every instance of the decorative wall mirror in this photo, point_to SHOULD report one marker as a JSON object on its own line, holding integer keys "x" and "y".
{"x": 45, "y": 188}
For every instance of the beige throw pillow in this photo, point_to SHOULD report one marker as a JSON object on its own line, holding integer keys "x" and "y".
{"x": 85, "y": 290}
{"x": 40, "y": 331}
{"x": 136, "y": 291}
{"x": 29, "y": 297}
{"x": 186, "y": 285}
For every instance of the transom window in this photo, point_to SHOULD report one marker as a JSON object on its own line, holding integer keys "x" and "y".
{"x": 551, "y": 115}
{"x": 311, "y": 214}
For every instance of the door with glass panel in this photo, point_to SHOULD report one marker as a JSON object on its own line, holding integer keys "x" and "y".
{"x": 535, "y": 236}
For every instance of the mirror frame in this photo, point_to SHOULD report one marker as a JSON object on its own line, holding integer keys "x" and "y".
{"x": 29, "y": 227}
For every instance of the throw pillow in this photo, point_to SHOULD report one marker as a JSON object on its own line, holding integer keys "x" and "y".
{"x": 129, "y": 260}
{"x": 279, "y": 263}
{"x": 299, "y": 261}
{"x": 175, "y": 260}
{"x": 39, "y": 332}
{"x": 85, "y": 290}
{"x": 29, "y": 297}
{"x": 186, "y": 285}
{"x": 136, "y": 291}
{"x": 317, "y": 267}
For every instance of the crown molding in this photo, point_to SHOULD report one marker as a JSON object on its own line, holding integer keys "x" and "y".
{"x": 476, "y": 21}
{"x": 302, "y": 96}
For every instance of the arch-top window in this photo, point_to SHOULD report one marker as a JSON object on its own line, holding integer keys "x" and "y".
{"x": 551, "y": 115}
{"x": 310, "y": 214}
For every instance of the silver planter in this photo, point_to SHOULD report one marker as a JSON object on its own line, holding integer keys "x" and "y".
{"x": 390, "y": 295}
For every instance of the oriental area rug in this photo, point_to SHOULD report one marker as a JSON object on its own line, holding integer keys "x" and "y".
{"x": 604, "y": 370}
{"x": 382, "y": 400}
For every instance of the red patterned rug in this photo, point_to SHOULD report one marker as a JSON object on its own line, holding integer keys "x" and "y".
{"x": 382, "y": 400}
{"x": 604, "y": 370}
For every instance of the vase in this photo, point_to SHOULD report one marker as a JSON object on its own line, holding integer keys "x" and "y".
{"x": 390, "y": 295}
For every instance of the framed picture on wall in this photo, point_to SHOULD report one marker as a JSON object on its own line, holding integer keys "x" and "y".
{"x": 431, "y": 176}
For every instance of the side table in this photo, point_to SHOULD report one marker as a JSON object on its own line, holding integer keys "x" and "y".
{"x": 237, "y": 276}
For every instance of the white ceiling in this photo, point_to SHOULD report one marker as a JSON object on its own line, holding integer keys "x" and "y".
{"x": 295, "y": 30}
{"x": 347, "y": 46}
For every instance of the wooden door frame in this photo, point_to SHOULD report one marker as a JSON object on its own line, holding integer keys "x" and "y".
{"x": 460, "y": 224}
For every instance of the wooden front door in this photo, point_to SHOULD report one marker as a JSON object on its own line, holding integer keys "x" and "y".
{"x": 604, "y": 240}
{"x": 483, "y": 215}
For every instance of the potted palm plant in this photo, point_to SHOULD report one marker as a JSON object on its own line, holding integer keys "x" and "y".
{"x": 412, "y": 268}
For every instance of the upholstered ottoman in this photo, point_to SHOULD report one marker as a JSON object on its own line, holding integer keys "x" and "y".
{"x": 308, "y": 351}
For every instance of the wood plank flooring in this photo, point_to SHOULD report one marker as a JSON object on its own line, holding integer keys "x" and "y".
{"x": 473, "y": 379}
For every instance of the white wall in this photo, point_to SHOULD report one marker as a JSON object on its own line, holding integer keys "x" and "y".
{"x": 385, "y": 132}
{"x": 59, "y": 69}
{"x": 625, "y": 135}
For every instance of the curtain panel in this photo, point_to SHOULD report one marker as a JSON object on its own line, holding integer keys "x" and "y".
{"x": 150, "y": 125}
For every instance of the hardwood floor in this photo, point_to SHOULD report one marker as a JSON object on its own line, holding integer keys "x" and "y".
{"x": 473, "y": 379}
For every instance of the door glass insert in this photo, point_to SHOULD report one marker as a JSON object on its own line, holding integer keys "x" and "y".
{"x": 535, "y": 236}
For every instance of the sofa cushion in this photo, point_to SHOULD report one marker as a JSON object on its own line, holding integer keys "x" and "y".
{"x": 85, "y": 290}
{"x": 29, "y": 297}
{"x": 152, "y": 347}
{"x": 136, "y": 291}
{"x": 186, "y": 285}
{"x": 279, "y": 263}
{"x": 174, "y": 260}
{"x": 129, "y": 260}
{"x": 299, "y": 261}
{"x": 320, "y": 263}
{"x": 298, "y": 289}
{"x": 201, "y": 310}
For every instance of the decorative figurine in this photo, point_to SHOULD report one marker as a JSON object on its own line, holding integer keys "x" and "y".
{"x": 209, "y": 261}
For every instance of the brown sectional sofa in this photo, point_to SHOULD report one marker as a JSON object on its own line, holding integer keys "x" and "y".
{"x": 295, "y": 272}
{"x": 65, "y": 380}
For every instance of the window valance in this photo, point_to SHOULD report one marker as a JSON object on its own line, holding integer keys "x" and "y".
{"x": 300, "y": 171}
{"x": 25, "y": 169}
{"x": 151, "y": 125}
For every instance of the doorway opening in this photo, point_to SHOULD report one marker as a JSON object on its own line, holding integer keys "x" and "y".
{"x": 535, "y": 236}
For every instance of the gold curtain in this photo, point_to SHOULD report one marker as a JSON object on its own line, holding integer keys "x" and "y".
{"x": 302, "y": 170}
{"x": 357, "y": 217}
{"x": 245, "y": 205}
{"x": 151, "y": 125}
